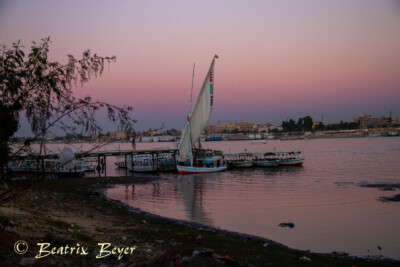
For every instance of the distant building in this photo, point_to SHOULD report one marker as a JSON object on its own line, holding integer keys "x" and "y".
{"x": 367, "y": 121}
{"x": 119, "y": 135}
{"x": 226, "y": 127}
{"x": 246, "y": 126}
{"x": 243, "y": 126}
{"x": 115, "y": 135}
{"x": 398, "y": 120}
{"x": 263, "y": 128}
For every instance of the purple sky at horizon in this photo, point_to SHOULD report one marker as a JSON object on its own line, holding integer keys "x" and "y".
{"x": 277, "y": 59}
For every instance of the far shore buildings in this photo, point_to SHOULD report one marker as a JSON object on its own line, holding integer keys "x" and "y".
{"x": 121, "y": 135}
{"x": 243, "y": 126}
{"x": 239, "y": 130}
{"x": 367, "y": 121}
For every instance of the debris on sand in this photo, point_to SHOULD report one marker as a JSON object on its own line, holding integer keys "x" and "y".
{"x": 290, "y": 225}
{"x": 382, "y": 186}
{"x": 395, "y": 198}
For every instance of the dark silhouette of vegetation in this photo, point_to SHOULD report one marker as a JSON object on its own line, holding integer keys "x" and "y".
{"x": 289, "y": 126}
{"x": 319, "y": 126}
{"x": 307, "y": 123}
{"x": 342, "y": 126}
{"x": 303, "y": 124}
{"x": 9, "y": 124}
{"x": 42, "y": 90}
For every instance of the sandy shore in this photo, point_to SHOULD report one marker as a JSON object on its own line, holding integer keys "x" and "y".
{"x": 62, "y": 214}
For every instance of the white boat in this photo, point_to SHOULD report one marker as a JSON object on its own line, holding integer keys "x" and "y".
{"x": 192, "y": 169}
{"x": 266, "y": 163}
{"x": 391, "y": 134}
{"x": 293, "y": 158}
{"x": 166, "y": 162}
{"x": 120, "y": 163}
{"x": 196, "y": 122}
{"x": 258, "y": 142}
{"x": 142, "y": 163}
{"x": 265, "y": 160}
{"x": 242, "y": 164}
{"x": 64, "y": 166}
{"x": 89, "y": 164}
{"x": 239, "y": 160}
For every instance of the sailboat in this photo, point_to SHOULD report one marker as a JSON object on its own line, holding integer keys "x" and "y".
{"x": 196, "y": 122}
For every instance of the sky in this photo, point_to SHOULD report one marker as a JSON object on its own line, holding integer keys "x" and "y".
{"x": 277, "y": 59}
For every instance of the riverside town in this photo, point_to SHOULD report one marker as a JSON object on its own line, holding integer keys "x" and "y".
{"x": 361, "y": 126}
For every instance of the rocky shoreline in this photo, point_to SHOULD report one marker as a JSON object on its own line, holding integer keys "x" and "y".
{"x": 76, "y": 213}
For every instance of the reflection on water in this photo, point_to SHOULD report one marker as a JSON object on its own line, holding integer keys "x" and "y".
{"x": 330, "y": 210}
{"x": 189, "y": 191}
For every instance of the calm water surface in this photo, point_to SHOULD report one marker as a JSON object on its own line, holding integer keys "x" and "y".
{"x": 323, "y": 198}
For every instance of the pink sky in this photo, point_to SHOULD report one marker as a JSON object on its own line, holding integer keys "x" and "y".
{"x": 278, "y": 59}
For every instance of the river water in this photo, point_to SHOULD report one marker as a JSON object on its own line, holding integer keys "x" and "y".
{"x": 325, "y": 198}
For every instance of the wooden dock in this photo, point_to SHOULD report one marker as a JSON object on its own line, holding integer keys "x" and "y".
{"x": 101, "y": 157}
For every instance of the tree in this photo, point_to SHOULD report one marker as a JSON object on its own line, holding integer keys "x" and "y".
{"x": 308, "y": 123}
{"x": 299, "y": 125}
{"x": 9, "y": 124}
{"x": 289, "y": 126}
{"x": 43, "y": 90}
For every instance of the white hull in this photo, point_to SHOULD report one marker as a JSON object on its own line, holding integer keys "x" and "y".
{"x": 120, "y": 164}
{"x": 258, "y": 142}
{"x": 190, "y": 169}
{"x": 266, "y": 163}
{"x": 291, "y": 162}
{"x": 144, "y": 169}
{"x": 242, "y": 164}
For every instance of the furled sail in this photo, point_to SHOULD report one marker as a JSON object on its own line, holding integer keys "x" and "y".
{"x": 199, "y": 117}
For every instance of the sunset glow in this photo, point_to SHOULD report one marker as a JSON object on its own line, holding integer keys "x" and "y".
{"x": 277, "y": 59}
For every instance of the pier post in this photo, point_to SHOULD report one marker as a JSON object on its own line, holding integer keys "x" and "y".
{"x": 132, "y": 163}
{"x": 105, "y": 166}
{"x": 152, "y": 155}
{"x": 98, "y": 165}
{"x": 126, "y": 165}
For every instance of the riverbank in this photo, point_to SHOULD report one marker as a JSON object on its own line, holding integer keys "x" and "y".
{"x": 74, "y": 211}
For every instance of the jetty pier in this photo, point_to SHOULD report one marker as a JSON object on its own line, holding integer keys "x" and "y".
{"x": 100, "y": 156}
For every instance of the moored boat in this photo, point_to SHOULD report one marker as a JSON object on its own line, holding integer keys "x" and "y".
{"x": 48, "y": 167}
{"x": 265, "y": 160}
{"x": 239, "y": 160}
{"x": 189, "y": 161}
{"x": 166, "y": 162}
{"x": 258, "y": 142}
{"x": 120, "y": 163}
{"x": 193, "y": 169}
{"x": 293, "y": 158}
{"x": 142, "y": 163}
{"x": 391, "y": 134}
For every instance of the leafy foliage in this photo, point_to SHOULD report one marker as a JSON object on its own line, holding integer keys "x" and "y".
{"x": 43, "y": 90}
{"x": 9, "y": 125}
{"x": 303, "y": 124}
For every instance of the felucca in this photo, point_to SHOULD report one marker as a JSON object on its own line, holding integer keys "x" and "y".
{"x": 192, "y": 160}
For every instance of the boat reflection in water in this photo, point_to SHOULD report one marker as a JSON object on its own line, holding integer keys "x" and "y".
{"x": 181, "y": 200}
